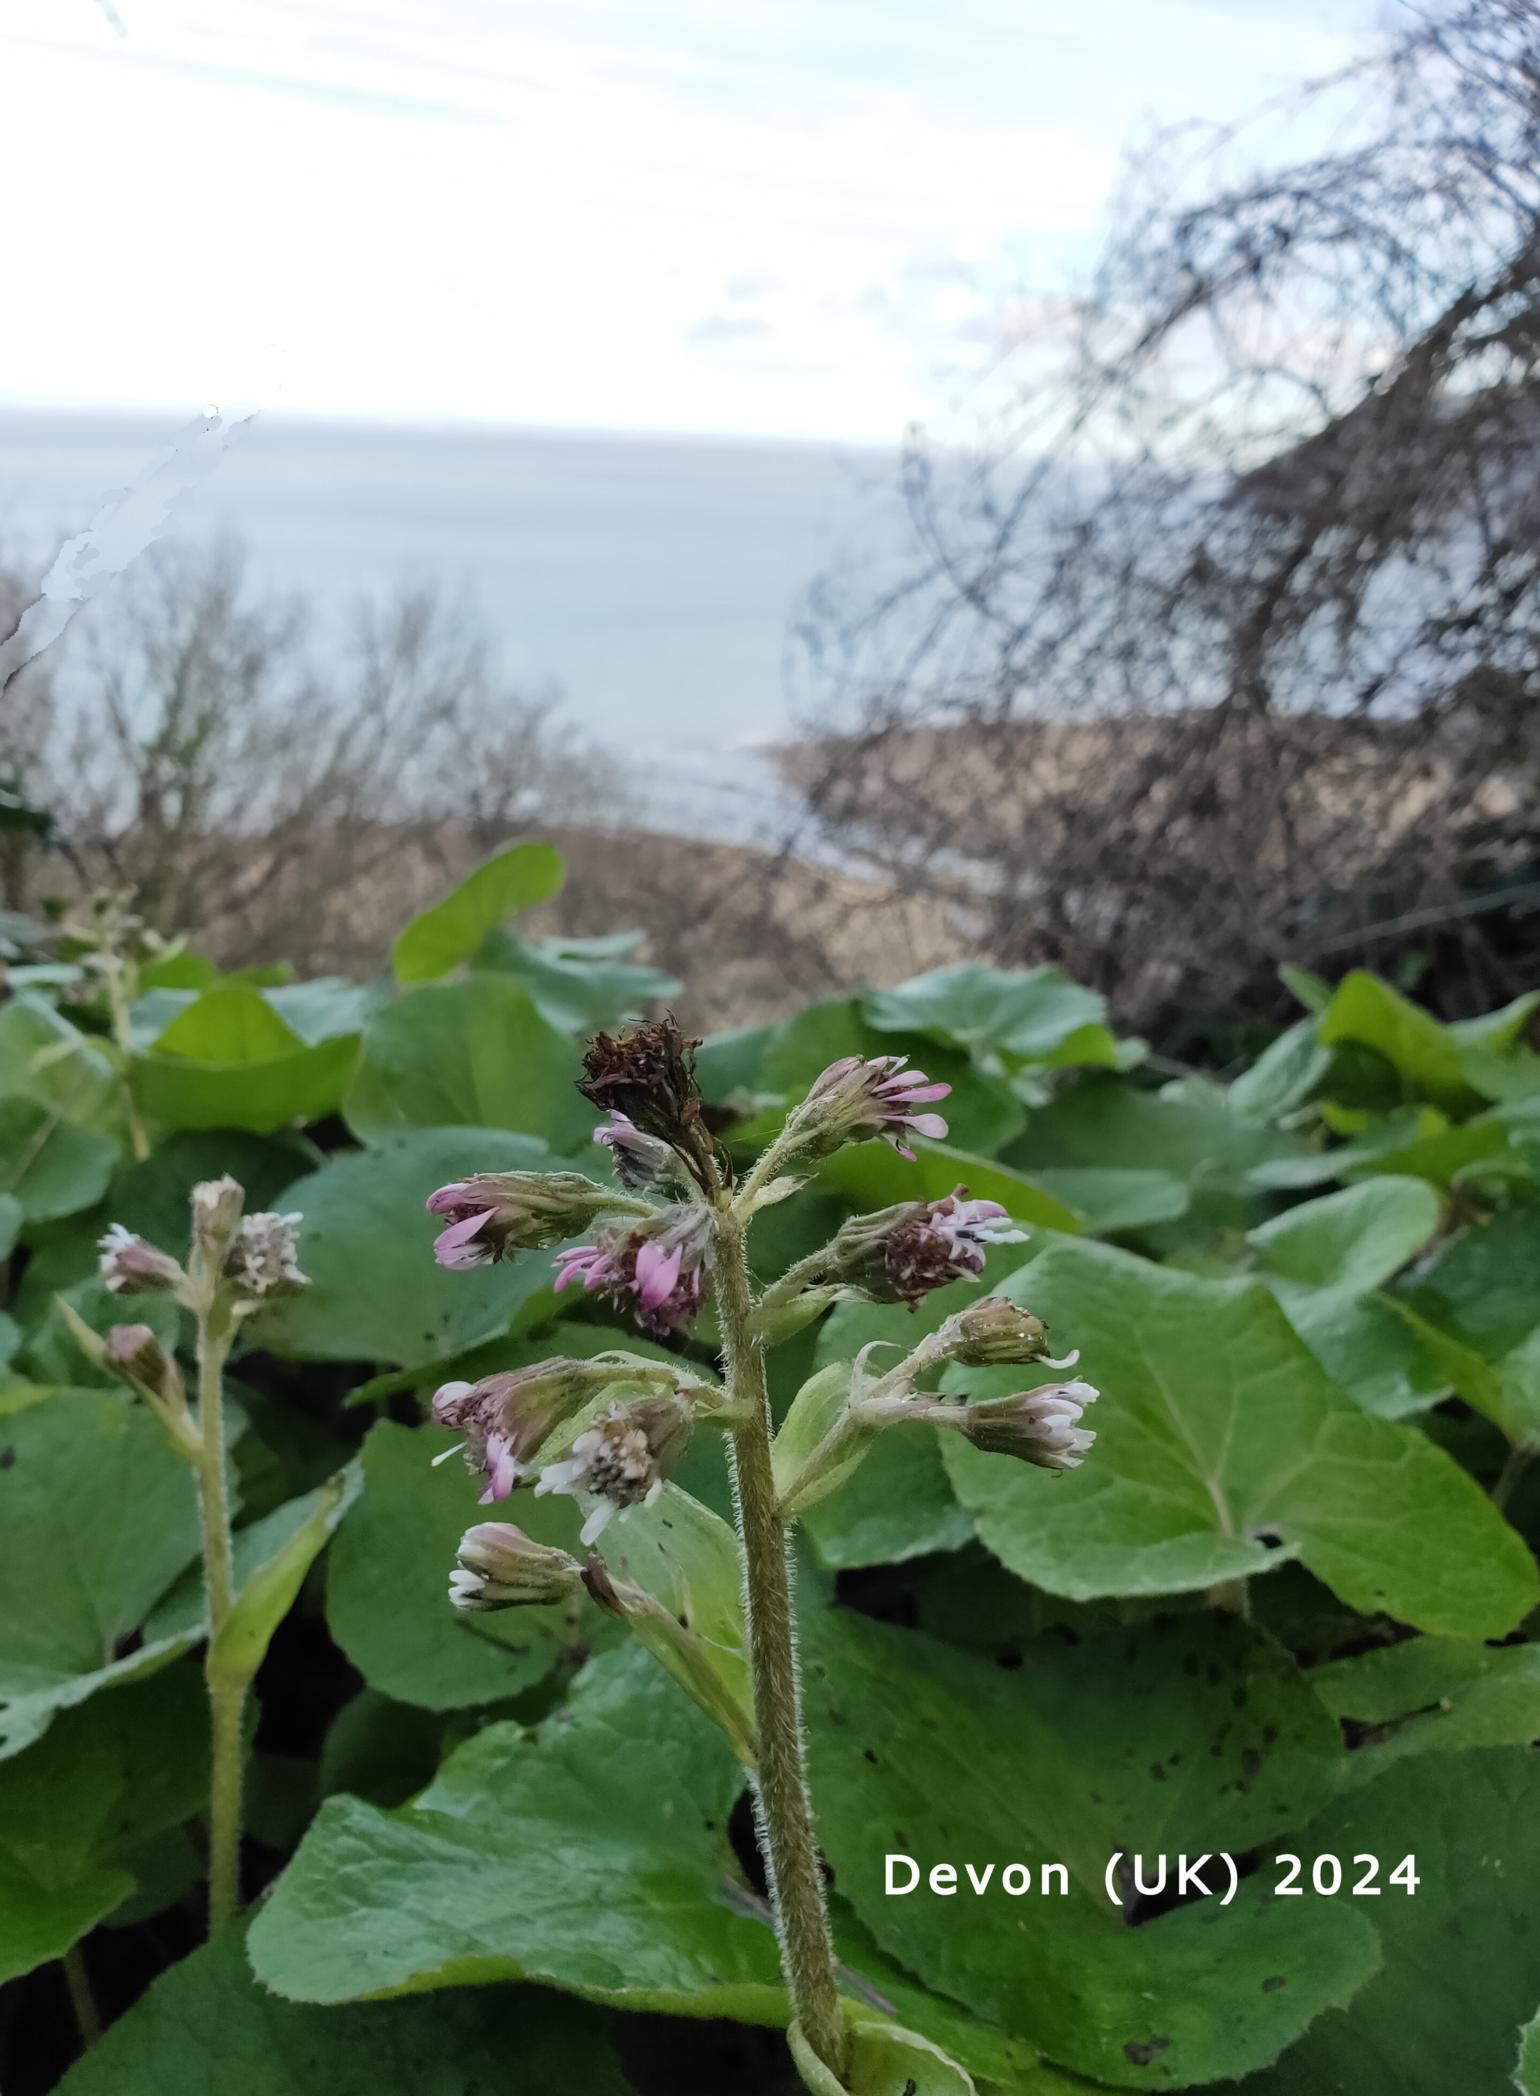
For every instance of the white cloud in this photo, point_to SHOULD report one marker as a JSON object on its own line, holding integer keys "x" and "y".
{"x": 758, "y": 215}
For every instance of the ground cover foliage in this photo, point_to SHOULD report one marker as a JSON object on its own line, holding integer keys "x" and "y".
{"x": 1283, "y": 1609}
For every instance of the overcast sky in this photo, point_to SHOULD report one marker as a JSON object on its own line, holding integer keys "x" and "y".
{"x": 786, "y": 217}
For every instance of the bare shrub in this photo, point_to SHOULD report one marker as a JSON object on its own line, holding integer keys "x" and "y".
{"x": 274, "y": 795}
{"x": 1225, "y": 647}
{"x": 26, "y": 709}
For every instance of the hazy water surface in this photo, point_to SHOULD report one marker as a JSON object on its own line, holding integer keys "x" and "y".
{"x": 652, "y": 579}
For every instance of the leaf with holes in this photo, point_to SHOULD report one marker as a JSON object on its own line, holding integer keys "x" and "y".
{"x": 1458, "y": 1977}
{"x": 1432, "y": 1695}
{"x": 1190, "y": 1736}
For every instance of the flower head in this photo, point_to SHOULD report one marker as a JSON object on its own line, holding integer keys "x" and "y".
{"x": 131, "y": 1265}
{"x": 498, "y": 1566}
{"x": 993, "y": 1332}
{"x": 641, "y": 1160}
{"x": 491, "y": 1214}
{"x": 646, "y": 1073}
{"x": 621, "y": 1460}
{"x": 860, "y": 1096}
{"x": 1041, "y": 1426}
{"x": 505, "y": 1418}
{"x": 262, "y": 1263}
{"x": 899, "y": 1254}
{"x": 945, "y": 1240}
{"x": 659, "y": 1270}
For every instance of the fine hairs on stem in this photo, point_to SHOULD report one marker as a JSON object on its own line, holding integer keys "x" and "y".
{"x": 658, "y": 1259}
{"x": 784, "y": 1811}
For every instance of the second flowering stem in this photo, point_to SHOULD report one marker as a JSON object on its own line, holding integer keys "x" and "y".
{"x": 227, "y": 1701}
{"x": 236, "y": 1263}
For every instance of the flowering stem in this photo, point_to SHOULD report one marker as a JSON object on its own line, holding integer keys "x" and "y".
{"x": 226, "y": 1701}
{"x": 785, "y": 1814}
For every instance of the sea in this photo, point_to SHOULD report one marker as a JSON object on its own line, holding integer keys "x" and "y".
{"x": 652, "y": 582}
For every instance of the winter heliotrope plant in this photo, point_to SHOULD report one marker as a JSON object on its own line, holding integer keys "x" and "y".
{"x": 606, "y": 1432}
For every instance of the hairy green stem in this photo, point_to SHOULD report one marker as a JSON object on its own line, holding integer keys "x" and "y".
{"x": 82, "y": 2000}
{"x": 807, "y": 1273}
{"x": 785, "y": 1814}
{"x": 226, "y": 1703}
{"x": 888, "y": 1401}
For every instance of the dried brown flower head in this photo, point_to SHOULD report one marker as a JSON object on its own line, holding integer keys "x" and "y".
{"x": 647, "y": 1073}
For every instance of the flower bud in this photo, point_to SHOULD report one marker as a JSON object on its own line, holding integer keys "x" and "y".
{"x": 216, "y": 1211}
{"x": 621, "y": 1460}
{"x": 491, "y": 1214}
{"x": 860, "y": 1096}
{"x": 130, "y": 1265}
{"x": 994, "y": 1332}
{"x": 1041, "y": 1426}
{"x": 135, "y": 1353}
{"x": 262, "y": 1263}
{"x": 498, "y": 1566}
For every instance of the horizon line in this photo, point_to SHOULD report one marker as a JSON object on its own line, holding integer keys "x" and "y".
{"x": 460, "y": 425}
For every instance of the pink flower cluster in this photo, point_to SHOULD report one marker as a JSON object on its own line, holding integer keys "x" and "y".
{"x": 495, "y": 1437}
{"x": 491, "y": 1214}
{"x": 659, "y": 1272}
{"x": 877, "y": 1093}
